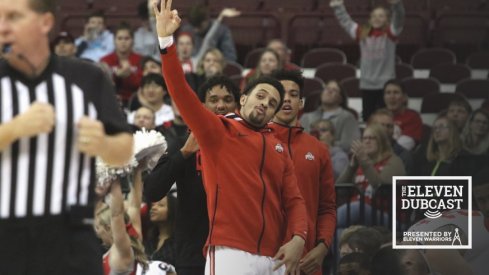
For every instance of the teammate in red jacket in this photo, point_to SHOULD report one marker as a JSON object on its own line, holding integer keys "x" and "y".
{"x": 313, "y": 169}
{"x": 252, "y": 193}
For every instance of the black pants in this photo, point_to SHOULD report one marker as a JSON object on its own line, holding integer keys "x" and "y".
{"x": 48, "y": 246}
{"x": 371, "y": 101}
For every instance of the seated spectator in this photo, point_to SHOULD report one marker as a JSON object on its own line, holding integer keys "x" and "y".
{"x": 475, "y": 136}
{"x": 413, "y": 263}
{"x": 64, "y": 45}
{"x": 386, "y": 261}
{"x": 148, "y": 65}
{"x": 384, "y": 118}
{"x": 283, "y": 53}
{"x": 324, "y": 130}
{"x": 355, "y": 263}
{"x": 269, "y": 61}
{"x": 185, "y": 44}
{"x": 211, "y": 64}
{"x": 443, "y": 155}
{"x": 366, "y": 240}
{"x": 145, "y": 37}
{"x": 200, "y": 24}
{"x": 458, "y": 111}
{"x": 125, "y": 64}
{"x": 408, "y": 120}
{"x": 96, "y": 41}
{"x": 159, "y": 242}
{"x": 334, "y": 107}
{"x": 344, "y": 248}
{"x": 153, "y": 88}
{"x": 144, "y": 118}
{"x": 372, "y": 164}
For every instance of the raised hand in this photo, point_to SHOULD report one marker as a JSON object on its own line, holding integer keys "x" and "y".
{"x": 229, "y": 12}
{"x": 167, "y": 20}
{"x": 335, "y": 3}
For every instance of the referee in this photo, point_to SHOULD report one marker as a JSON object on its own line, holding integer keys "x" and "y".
{"x": 56, "y": 114}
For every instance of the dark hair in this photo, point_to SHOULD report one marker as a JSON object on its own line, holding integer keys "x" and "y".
{"x": 461, "y": 101}
{"x": 395, "y": 82}
{"x": 266, "y": 80}
{"x": 153, "y": 78}
{"x": 153, "y": 233}
{"x": 367, "y": 240}
{"x": 124, "y": 26}
{"x": 223, "y": 82}
{"x": 147, "y": 59}
{"x": 294, "y": 76}
{"x": 386, "y": 262}
{"x": 198, "y": 14}
{"x": 362, "y": 259}
{"x": 43, "y": 6}
{"x": 99, "y": 13}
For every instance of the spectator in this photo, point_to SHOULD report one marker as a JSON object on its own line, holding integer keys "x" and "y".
{"x": 408, "y": 123}
{"x": 269, "y": 61}
{"x": 365, "y": 240}
{"x": 475, "y": 136}
{"x": 377, "y": 41}
{"x": 237, "y": 242}
{"x": 125, "y": 64}
{"x": 384, "y": 118}
{"x": 145, "y": 39}
{"x": 220, "y": 96}
{"x": 444, "y": 155}
{"x": 313, "y": 166}
{"x": 334, "y": 107}
{"x": 148, "y": 65}
{"x": 344, "y": 248}
{"x": 211, "y": 64}
{"x": 372, "y": 164}
{"x": 386, "y": 262}
{"x": 121, "y": 234}
{"x": 284, "y": 54}
{"x": 458, "y": 111}
{"x": 324, "y": 130}
{"x": 354, "y": 263}
{"x": 96, "y": 41}
{"x": 414, "y": 263}
{"x": 185, "y": 46}
{"x": 200, "y": 24}
{"x": 64, "y": 45}
{"x": 153, "y": 89}
{"x": 144, "y": 117}
{"x": 160, "y": 243}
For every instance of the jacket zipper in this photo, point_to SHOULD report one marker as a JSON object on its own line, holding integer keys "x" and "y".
{"x": 288, "y": 143}
{"x": 263, "y": 195}
{"x": 214, "y": 215}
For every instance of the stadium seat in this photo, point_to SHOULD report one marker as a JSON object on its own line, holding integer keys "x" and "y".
{"x": 419, "y": 87}
{"x": 252, "y": 57}
{"x": 335, "y": 71}
{"x": 237, "y": 79}
{"x": 351, "y": 85}
{"x": 292, "y": 5}
{"x": 404, "y": 71}
{"x": 312, "y": 101}
{"x": 433, "y": 104}
{"x": 449, "y": 75}
{"x": 233, "y": 68}
{"x": 218, "y": 5}
{"x": 473, "y": 88}
{"x": 429, "y": 58}
{"x": 317, "y": 57}
{"x": 311, "y": 85}
{"x": 479, "y": 64}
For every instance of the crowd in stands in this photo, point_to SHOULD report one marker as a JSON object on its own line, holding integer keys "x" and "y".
{"x": 388, "y": 139}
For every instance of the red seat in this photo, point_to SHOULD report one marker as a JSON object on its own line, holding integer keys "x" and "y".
{"x": 404, "y": 71}
{"x": 478, "y": 60}
{"x": 252, "y": 57}
{"x": 316, "y": 57}
{"x": 218, "y": 5}
{"x": 292, "y": 5}
{"x": 311, "y": 85}
{"x": 429, "y": 58}
{"x": 419, "y": 87}
{"x": 351, "y": 86}
{"x": 233, "y": 68}
{"x": 335, "y": 71}
{"x": 437, "y": 102}
{"x": 473, "y": 88}
{"x": 450, "y": 73}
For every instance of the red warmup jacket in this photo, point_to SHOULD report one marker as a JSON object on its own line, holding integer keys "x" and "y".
{"x": 314, "y": 172}
{"x": 252, "y": 193}
{"x": 125, "y": 86}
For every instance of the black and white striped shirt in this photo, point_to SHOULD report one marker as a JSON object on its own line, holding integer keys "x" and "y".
{"x": 46, "y": 175}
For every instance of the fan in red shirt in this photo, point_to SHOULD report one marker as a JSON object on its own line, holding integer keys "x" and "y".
{"x": 314, "y": 169}
{"x": 124, "y": 64}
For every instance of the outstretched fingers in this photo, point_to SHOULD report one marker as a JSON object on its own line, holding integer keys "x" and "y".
{"x": 168, "y": 5}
